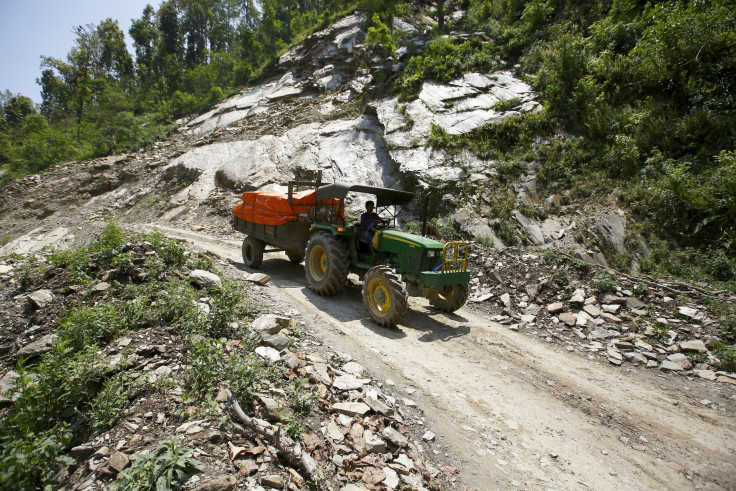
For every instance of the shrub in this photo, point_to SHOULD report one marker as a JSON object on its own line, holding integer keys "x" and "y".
{"x": 109, "y": 242}
{"x": 27, "y": 460}
{"x": 87, "y": 326}
{"x": 379, "y": 38}
{"x": 485, "y": 240}
{"x": 561, "y": 277}
{"x": 605, "y": 282}
{"x": 168, "y": 468}
{"x": 110, "y": 402}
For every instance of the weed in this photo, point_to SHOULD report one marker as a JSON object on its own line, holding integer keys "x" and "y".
{"x": 485, "y": 240}
{"x": 605, "y": 282}
{"x": 171, "y": 252}
{"x": 661, "y": 333}
{"x": 124, "y": 263}
{"x": 151, "y": 200}
{"x": 561, "y": 277}
{"x": 244, "y": 373}
{"x": 226, "y": 304}
{"x": 506, "y": 231}
{"x": 581, "y": 266}
{"x": 293, "y": 427}
{"x": 537, "y": 213}
{"x": 726, "y": 356}
{"x": 550, "y": 256}
{"x": 110, "y": 402}
{"x": 299, "y": 399}
{"x": 109, "y": 242}
{"x": 86, "y": 326}
{"x": 28, "y": 459}
{"x": 5, "y": 239}
{"x": 206, "y": 359}
{"x": 169, "y": 467}
{"x": 507, "y": 105}
{"x": 29, "y": 274}
{"x": 697, "y": 357}
{"x": 445, "y": 228}
{"x": 640, "y": 289}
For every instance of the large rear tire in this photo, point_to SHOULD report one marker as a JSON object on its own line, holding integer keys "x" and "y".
{"x": 252, "y": 252}
{"x": 326, "y": 263}
{"x": 450, "y": 298}
{"x": 384, "y": 296}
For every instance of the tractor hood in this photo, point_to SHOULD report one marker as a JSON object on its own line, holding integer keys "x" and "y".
{"x": 411, "y": 239}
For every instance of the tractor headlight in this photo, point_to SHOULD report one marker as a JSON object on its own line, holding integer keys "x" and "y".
{"x": 431, "y": 253}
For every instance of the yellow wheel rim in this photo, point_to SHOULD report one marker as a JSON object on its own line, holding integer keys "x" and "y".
{"x": 379, "y": 297}
{"x": 318, "y": 262}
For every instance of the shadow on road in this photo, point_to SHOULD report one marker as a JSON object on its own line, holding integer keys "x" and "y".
{"x": 347, "y": 305}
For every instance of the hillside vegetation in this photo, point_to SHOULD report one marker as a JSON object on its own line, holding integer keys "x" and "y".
{"x": 639, "y": 98}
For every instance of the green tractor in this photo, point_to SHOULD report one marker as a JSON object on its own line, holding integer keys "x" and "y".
{"x": 392, "y": 265}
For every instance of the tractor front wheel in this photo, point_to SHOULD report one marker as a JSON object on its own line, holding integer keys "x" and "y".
{"x": 384, "y": 296}
{"x": 326, "y": 263}
{"x": 252, "y": 252}
{"x": 449, "y": 298}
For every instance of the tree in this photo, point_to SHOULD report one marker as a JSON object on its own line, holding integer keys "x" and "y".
{"x": 195, "y": 23}
{"x": 112, "y": 59}
{"x": 54, "y": 94}
{"x": 15, "y": 111}
{"x": 145, "y": 36}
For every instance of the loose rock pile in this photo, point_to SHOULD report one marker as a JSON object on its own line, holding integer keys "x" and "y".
{"x": 339, "y": 428}
{"x": 598, "y": 313}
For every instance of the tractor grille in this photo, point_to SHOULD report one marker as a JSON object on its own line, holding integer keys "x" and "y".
{"x": 419, "y": 261}
{"x": 431, "y": 263}
{"x": 415, "y": 261}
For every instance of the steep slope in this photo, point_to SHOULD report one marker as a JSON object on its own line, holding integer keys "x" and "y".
{"x": 480, "y": 384}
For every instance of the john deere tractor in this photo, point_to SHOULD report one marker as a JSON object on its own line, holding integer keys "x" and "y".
{"x": 392, "y": 265}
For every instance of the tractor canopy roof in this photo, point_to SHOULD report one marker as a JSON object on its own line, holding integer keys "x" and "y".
{"x": 384, "y": 196}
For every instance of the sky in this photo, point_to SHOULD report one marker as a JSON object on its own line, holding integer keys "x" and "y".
{"x": 32, "y": 28}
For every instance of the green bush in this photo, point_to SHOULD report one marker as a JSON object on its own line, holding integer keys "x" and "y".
{"x": 108, "y": 405}
{"x": 168, "y": 468}
{"x": 379, "y": 38}
{"x": 95, "y": 325}
{"x": 605, "y": 282}
{"x": 28, "y": 460}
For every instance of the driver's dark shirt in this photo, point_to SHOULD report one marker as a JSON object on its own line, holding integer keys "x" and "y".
{"x": 367, "y": 220}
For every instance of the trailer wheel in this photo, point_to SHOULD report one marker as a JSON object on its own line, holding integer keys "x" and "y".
{"x": 326, "y": 263}
{"x": 449, "y": 298}
{"x": 384, "y": 296}
{"x": 295, "y": 257}
{"x": 252, "y": 252}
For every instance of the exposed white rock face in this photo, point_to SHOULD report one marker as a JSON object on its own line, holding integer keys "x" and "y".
{"x": 458, "y": 107}
{"x": 347, "y": 150}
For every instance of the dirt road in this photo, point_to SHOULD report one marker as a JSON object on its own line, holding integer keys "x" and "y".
{"x": 511, "y": 411}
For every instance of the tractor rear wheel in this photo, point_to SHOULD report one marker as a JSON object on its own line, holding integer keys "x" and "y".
{"x": 384, "y": 296}
{"x": 326, "y": 263}
{"x": 252, "y": 252}
{"x": 449, "y": 298}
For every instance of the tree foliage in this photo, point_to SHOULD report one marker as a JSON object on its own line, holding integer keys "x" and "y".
{"x": 188, "y": 54}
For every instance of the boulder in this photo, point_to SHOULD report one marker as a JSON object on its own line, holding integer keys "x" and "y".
{"x": 40, "y": 298}
{"x": 681, "y": 360}
{"x": 38, "y": 347}
{"x": 205, "y": 279}
{"x": 693, "y": 345}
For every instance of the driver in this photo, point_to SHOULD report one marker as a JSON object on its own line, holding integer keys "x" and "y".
{"x": 368, "y": 222}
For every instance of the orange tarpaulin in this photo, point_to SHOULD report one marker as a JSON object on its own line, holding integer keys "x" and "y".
{"x": 272, "y": 208}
